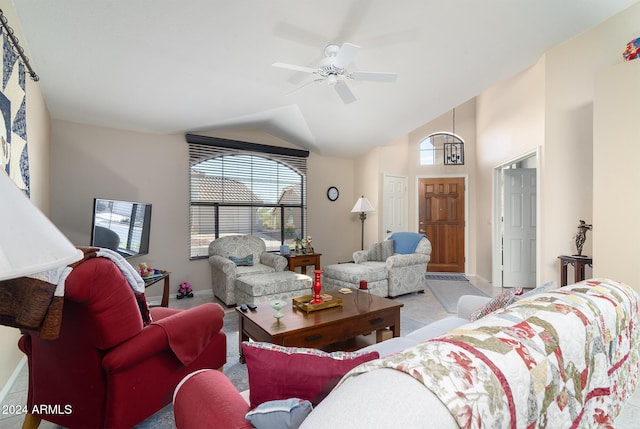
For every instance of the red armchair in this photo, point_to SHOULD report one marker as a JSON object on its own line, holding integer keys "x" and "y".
{"x": 106, "y": 370}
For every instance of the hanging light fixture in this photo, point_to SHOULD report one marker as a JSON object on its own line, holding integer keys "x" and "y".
{"x": 454, "y": 149}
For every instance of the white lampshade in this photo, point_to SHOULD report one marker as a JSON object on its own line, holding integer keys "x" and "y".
{"x": 362, "y": 206}
{"x": 29, "y": 242}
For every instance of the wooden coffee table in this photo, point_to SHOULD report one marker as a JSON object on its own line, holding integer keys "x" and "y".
{"x": 320, "y": 328}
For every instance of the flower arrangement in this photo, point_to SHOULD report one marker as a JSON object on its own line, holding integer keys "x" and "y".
{"x": 306, "y": 244}
{"x": 145, "y": 270}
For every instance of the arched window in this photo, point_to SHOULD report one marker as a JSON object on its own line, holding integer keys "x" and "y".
{"x": 246, "y": 191}
{"x": 442, "y": 148}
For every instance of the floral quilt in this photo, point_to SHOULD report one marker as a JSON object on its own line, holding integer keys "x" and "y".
{"x": 568, "y": 358}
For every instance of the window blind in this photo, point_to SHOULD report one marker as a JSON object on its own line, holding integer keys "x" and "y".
{"x": 245, "y": 188}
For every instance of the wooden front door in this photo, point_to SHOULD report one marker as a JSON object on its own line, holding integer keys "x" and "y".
{"x": 441, "y": 218}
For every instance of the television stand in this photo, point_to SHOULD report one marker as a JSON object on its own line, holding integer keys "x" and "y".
{"x": 165, "y": 293}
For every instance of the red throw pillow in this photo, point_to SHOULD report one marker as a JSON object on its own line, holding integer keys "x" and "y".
{"x": 277, "y": 372}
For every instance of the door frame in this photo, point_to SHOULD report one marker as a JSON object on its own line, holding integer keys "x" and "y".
{"x": 496, "y": 224}
{"x": 466, "y": 208}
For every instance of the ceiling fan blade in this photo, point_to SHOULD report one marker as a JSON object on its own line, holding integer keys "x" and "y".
{"x": 344, "y": 92}
{"x": 345, "y": 55}
{"x": 294, "y": 67}
{"x": 374, "y": 76}
{"x": 302, "y": 86}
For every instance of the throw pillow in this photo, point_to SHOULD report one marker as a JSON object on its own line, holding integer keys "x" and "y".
{"x": 282, "y": 414}
{"x": 277, "y": 372}
{"x": 247, "y": 261}
{"x": 497, "y": 302}
{"x": 540, "y": 289}
{"x": 381, "y": 251}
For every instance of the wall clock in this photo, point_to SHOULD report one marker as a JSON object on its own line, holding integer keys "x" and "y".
{"x": 333, "y": 193}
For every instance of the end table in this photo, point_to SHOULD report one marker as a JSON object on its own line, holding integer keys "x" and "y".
{"x": 579, "y": 263}
{"x": 302, "y": 260}
{"x": 165, "y": 292}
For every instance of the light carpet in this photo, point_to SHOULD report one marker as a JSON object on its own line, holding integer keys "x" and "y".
{"x": 447, "y": 291}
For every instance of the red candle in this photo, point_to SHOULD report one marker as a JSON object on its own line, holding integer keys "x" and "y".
{"x": 363, "y": 285}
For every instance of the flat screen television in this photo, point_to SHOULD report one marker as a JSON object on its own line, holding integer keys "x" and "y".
{"x": 122, "y": 226}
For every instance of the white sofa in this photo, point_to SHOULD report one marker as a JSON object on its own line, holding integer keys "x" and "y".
{"x": 556, "y": 359}
{"x": 467, "y": 304}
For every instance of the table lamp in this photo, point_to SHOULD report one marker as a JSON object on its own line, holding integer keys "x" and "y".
{"x": 29, "y": 242}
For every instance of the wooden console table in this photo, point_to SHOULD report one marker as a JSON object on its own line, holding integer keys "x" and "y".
{"x": 165, "y": 292}
{"x": 579, "y": 263}
{"x": 302, "y": 260}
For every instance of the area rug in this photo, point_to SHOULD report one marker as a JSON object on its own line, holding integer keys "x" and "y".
{"x": 446, "y": 276}
{"x": 448, "y": 291}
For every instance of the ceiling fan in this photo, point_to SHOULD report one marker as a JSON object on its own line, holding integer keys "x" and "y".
{"x": 334, "y": 70}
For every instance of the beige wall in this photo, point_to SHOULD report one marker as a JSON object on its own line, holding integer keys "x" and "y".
{"x": 102, "y": 162}
{"x": 551, "y": 106}
{"x": 331, "y": 224}
{"x": 616, "y": 175}
{"x": 367, "y": 184}
{"x": 510, "y": 123}
{"x": 38, "y": 147}
{"x": 569, "y": 145}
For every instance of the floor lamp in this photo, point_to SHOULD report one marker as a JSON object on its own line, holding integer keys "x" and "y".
{"x": 363, "y": 206}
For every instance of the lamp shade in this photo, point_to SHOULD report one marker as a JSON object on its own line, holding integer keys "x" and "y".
{"x": 362, "y": 206}
{"x": 29, "y": 242}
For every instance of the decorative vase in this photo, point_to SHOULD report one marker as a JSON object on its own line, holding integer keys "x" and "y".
{"x": 278, "y": 305}
{"x": 317, "y": 287}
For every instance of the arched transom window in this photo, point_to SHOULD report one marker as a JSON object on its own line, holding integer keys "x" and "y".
{"x": 442, "y": 148}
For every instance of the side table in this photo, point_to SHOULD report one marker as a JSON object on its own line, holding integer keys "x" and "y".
{"x": 165, "y": 292}
{"x": 302, "y": 260}
{"x": 579, "y": 263}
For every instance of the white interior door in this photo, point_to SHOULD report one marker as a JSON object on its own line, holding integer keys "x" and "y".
{"x": 395, "y": 203}
{"x": 519, "y": 234}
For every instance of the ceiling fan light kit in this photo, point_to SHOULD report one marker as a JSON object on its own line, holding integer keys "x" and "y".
{"x": 334, "y": 70}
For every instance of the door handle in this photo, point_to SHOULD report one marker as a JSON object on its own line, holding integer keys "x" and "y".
{"x": 389, "y": 232}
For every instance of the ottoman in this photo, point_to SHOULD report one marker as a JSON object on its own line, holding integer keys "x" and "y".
{"x": 267, "y": 287}
{"x": 349, "y": 275}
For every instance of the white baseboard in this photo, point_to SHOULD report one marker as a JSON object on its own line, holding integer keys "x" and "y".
{"x": 12, "y": 379}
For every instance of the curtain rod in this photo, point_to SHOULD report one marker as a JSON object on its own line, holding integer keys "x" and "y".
{"x": 16, "y": 46}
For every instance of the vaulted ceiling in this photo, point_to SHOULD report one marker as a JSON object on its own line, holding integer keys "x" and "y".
{"x": 175, "y": 66}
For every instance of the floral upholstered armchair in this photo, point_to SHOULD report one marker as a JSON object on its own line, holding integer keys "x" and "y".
{"x": 405, "y": 256}
{"x": 234, "y": 256}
